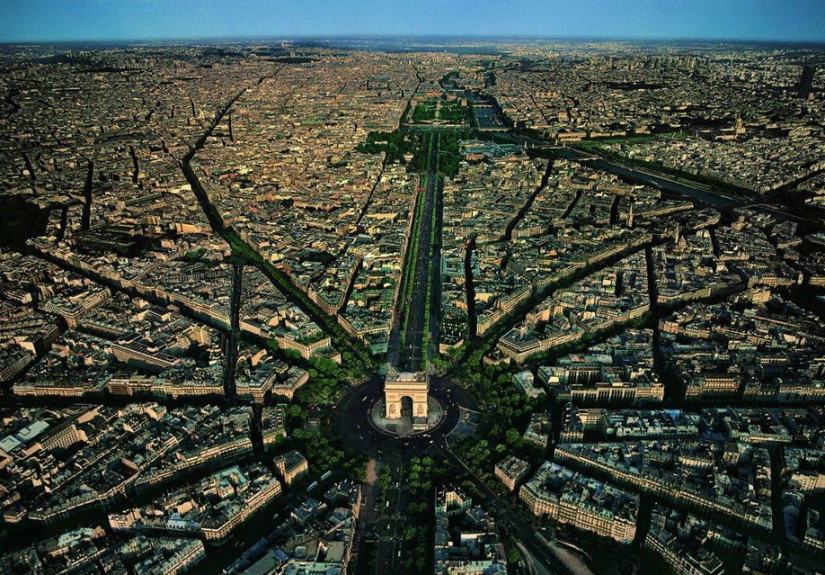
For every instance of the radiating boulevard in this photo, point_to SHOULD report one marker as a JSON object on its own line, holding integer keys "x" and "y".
{"x": 414, "y": 334}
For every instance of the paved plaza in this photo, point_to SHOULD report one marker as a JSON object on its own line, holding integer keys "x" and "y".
{"x": 406, "y": 426}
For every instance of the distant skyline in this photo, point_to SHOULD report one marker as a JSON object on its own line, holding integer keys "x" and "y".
{"x": 123, "y": 20}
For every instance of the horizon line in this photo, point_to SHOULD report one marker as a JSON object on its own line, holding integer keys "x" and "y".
{"x": 490, "y": 37}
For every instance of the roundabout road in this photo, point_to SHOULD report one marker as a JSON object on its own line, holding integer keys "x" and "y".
{"x": 354, "y": 424}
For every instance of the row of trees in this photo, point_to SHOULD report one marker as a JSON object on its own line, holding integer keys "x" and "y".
{"x": 321, "y": 443}
{"x": 504, "y": 408}
{"x": 328, "y": 381}
{"x": 424, "y": 474}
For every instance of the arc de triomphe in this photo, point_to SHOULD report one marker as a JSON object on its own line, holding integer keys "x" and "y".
{"x": 404, "y": 384}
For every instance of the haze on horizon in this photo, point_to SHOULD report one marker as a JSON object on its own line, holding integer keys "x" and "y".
{"x": 126, "y": 20}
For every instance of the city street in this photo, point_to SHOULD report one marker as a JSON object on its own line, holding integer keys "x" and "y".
{"x": 384, "y": 514}
{"x": 415, "y": 353}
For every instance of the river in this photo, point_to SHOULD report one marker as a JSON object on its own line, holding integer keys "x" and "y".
{"x": 810, "y": 219}
{"x": 717, "y": 200}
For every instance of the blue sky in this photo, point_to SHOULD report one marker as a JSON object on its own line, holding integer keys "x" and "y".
{"x": 47, "y": 20}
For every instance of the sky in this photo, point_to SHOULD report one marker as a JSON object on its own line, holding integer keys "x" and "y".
{"x": 67, "y": 20}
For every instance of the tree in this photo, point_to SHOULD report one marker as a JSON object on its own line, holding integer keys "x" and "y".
{"x": 512, "y": 437}
{"x": 513, "y": 555}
